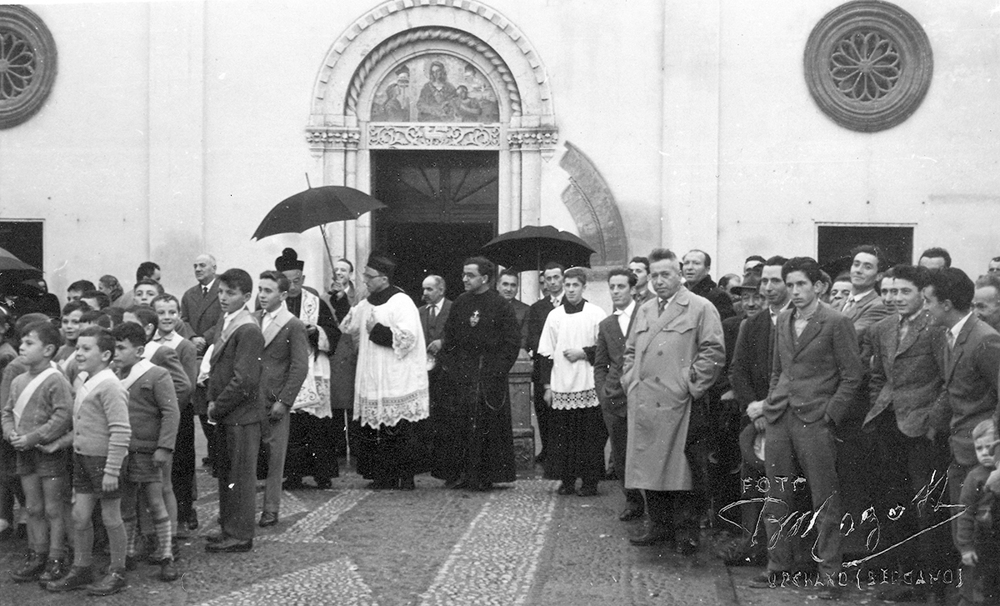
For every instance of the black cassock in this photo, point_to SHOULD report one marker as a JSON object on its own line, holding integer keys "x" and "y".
{"x": 473, "y": 439}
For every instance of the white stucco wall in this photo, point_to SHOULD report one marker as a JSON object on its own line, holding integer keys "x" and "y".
{"x": 180, "y": 135}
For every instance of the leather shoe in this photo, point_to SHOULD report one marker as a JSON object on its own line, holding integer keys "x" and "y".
{"x": 655, "y": 534}
{"x": 566, "y": 488}
{"x": 407, "y": 483}
{"x": 32, "y": 568}
{"x": 230, "y": 545}
{"x": 687, "y": 546}
{"x": 168, "y": 570}
{"x": 216, "y": 537}
{"x": 268, "y": 518}
{"x": 55, "y": 569}
{"x": 78, "y": 577}
{"x": 630, "y": 513}
{"x": 112, "y": 583}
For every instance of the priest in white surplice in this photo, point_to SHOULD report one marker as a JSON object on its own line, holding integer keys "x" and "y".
{"x": 390, "y": 385}
{"x": 576, "y": 425}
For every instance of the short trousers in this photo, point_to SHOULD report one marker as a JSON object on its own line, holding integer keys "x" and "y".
{"x": 139, "y": 468}
{"x": 34, "y": 461}
{"x": 88, "y": 476}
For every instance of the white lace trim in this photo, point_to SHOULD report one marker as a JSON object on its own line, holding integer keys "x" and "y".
{"x": 389, "y": 411}
{"x": 575, "y": 399}
{"x": 403, "y": 342}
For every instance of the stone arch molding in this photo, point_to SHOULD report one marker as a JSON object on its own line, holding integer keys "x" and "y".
{"x": 341, "y": 136}
{"x": 396, "y": 24}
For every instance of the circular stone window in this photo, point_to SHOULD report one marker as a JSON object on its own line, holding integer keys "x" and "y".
{"x": 868, "y": 65}
{"x": 27, "y": 64}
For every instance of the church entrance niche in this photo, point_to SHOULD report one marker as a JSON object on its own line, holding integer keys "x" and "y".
{"x": 441, "y": 207}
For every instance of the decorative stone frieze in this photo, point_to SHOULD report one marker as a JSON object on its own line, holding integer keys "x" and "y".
{"x": 408, "y": 135}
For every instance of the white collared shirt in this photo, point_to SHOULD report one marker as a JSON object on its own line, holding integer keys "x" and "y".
{"x": 557, "y": 300}
{"x": 270, "y": 316}
{"x": 229, "y": 319}
{"x": 957, "y": 328}
{"x": 625, "y": 316}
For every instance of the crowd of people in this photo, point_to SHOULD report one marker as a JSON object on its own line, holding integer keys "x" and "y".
{"x": 783, "y": 404}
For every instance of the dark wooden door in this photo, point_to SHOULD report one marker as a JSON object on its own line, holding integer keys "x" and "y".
{"x": 441, "y": 207}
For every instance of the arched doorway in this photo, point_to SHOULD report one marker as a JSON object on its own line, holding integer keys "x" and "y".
{"x": 375, "y": 116}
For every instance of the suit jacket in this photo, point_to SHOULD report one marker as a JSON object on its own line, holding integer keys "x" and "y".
{"x": 234, "y": 382}
{"x": 286, "y": 358}
{"x": 201, "y": 311}
{"x": 706, "y": 287}
{"x": 865, "y": 313}
{"x": 906, "y": 375}
{"x": 520, "y": 311}
{"x": 819, "y": 372}
{"x": 152, "y": 412}
{"x": 435, "y": 331}
{"x": 970, "y": 377}
{"x": 609, "y": 359}
{"x": 531, "y": 333}
{"x": 750, "y": 369}
{"x": 169, "y": 360}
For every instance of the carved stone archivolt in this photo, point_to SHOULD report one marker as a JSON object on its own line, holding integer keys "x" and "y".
{"x": 868, "y": 65}
{"x": 433, "y": 34}
{"x": 433, "y": 136}
{"x": 590, "y": 200}
{"x": 27, "y": 64}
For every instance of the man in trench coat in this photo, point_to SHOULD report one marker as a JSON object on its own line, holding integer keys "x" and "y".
{"x": 674, "y": 354}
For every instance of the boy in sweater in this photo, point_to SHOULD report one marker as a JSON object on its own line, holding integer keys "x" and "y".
{"x": 36, "y": 414}
{"x": 153, "y": 416}
{"x": 101, "y": 434}
{"x": 977, "y": 536}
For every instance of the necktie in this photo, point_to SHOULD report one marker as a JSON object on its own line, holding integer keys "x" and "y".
{"x": 662, "y": 304}
{"x": 433, "y": 314}
{"x": 204, "y": 290}
{"x": 951, "y": 340}
{"x": 266, "y": 322}
{"x": 848, "y": 306}
{"x": 904, "y": 327}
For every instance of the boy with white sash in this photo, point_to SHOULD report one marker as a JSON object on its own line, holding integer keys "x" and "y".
{"x": 37, "y": 413}
{"x": 153, "y": 415}
{"x": 182, "y": 471}
{"x": 101, "y": 434}
{"x": 169, "y": 359}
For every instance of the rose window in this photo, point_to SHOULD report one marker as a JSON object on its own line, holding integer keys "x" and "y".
{"x": 27, "y": 64}
{"x": 868, "y": 65}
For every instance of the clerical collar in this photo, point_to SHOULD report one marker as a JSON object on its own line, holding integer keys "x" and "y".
{"x": 380, "y": 297}
{"x": 573, "y": 309}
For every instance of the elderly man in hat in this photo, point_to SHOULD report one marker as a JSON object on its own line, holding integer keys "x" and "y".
{"x": 390, "y": 385}
{"x": 310, "y": 431}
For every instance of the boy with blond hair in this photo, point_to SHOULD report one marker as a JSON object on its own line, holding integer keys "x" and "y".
{"x": 977, "y": 536}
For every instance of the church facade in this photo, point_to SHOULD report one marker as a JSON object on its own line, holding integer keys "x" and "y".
{"x": 135, "y": 131}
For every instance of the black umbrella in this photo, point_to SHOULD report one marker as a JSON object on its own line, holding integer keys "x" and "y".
{"x": 529, "y": 247}
{"x": 314, "y": 207}
{"x": 8, "y": 262}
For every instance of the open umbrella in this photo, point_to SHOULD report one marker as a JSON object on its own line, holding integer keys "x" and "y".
{"x": 315, "y": 207}
{"x": 529, "y": 247}
{"x": 8, "y": 262}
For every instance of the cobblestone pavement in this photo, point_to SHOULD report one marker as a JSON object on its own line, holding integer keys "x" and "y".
{"x": 520, "y": 544}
